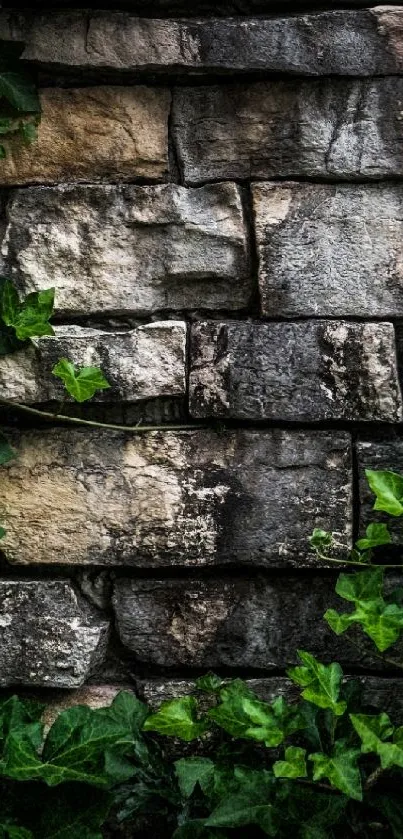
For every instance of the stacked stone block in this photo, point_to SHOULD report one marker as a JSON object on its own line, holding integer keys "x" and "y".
{"x": 218, "y": 203}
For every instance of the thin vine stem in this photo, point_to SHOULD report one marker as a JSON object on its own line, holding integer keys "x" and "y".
{"x": 384, "y": 658}
{"x": 134, "y": 429}
{"x": 355, "y": 563}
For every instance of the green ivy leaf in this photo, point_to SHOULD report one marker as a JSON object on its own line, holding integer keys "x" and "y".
{"x": 321, "y": 683}
{"x": 341, "y": 769}
{"x": 29, "y": 132}
{"x": 375, "y": 535}
{"x": 210, "y": 683}
{"x": 177, "y": 718}
{"x": 382, "y": 621}
{"x": 74, "y": 812}
{"x": 6, "y": 452}
{"x": 192, "y": 771}
{"x": 75, "y": 747}
{"x": 196, "y": 829}
{"x": 321, "y": 539}
{"x": 362, "y": 585}
{"x": 19, "y": 91}
{"x": 28, "y": 318}
{"x": 294, "y": 765}
{"x": 82, "y": 382}
{"x": 388, "y": 488}
{"x": 391, "y": 806}
{"x": 372, "y": 730}
{"x": 249, "y": 805}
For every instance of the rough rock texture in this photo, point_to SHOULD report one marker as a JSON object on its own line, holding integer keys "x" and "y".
{"x": 346, "y": 43}
{"x": 130, "y": 249}
{"x": 329, "y": 250}
{"x": 48, "y": 635}
{"x": 167, "y": 8}
{"x": 377, "y": 693}
{"x": 379, "y": 451}
{"x": 93, "y": 134}
{"x": 142, "y": 363}
{"x": 192, "y": 498}
{"x": 298, "y": 371}
{"x": 231, "y": 622}
{"x": 322, "y": 129}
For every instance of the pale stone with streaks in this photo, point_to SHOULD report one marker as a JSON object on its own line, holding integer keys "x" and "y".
{"x": 139, "y": 364}
{"x": 130, "y": 249}
{"x": 194, "y": 498}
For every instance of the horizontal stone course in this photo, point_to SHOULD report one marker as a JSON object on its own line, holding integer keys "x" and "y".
{"x": 305, "y": 371}
{"x": 213, "y": 623}
{"x": 194, "y": 498}
{"x": 329, "y": 249}
{"x": 377, "y": 693}
{"x": 93, "y": 134}
{"x": 357, "y": 43}
{"x": 143, "y": 363}
{"x": 130, "y": 249}
{"x": 332, "y": 128}
{"x": 49, "y": 636}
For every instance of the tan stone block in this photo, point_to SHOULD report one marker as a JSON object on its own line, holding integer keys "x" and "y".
{"x": 93, "y": 134}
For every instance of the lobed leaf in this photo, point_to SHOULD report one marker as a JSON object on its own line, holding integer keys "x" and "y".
{"x": 321, "y": 683}
{"x": 294, "y": 765}
{"x": 80, "y": 382}
{"x": 376, "y": 534}
{"x": 388, "y": 489}
{"x": 341, "y": 769}
{"x": 177, "y": 718}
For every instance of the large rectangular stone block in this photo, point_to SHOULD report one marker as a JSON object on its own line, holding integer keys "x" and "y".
{"x": 161, "y": 499}
{"x": 304, "y": 371}
{"x": 139, "y": 364}
{"x": 258, "y": 623}
{"x": 49, "y": 636}
{"x": 332, "y": 128}
{"x": 329, "y": 250}
{"x": 130, "y": 249}
{"x": 346, "y": 42}
{"x": 93, "y": 134}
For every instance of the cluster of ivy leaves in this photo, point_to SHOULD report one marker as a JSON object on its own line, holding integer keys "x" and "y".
{"x": 20, "y": 108}
{"x": 323, "y": 766}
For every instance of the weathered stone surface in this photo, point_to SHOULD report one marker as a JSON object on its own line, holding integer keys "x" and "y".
{"x": 139, "y": 364}
{"x": 93, "y": 134}
{"x": 377, "y": 693}
{"x": 346, "y": 43}
{"x": 219, "y": 7}
{"x": 48, "y": 635}
{"x": 303, "y": 371}
{"x": 258, "y": 623}
{"x": 323, "y": 129}
{"x": 130, "y": 249}
{"x": 329, "y": 250}
{"x": 383, "y": 452}
{"x": 191, "y": 498}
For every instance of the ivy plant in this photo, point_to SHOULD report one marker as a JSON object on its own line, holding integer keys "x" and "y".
{"x": 20, "y": 108}
{"x": 324, "y": 765}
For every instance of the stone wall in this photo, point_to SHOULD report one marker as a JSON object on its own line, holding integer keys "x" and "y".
{"x": 219, "y": 204}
